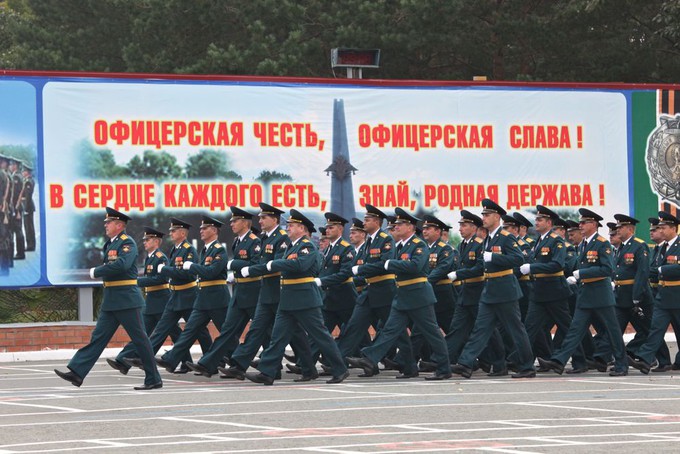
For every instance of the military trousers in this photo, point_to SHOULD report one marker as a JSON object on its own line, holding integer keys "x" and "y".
{"x": 198, "y": 321}
{"x": 310, "y": 320}
{"x": 107, "y": 324}
{"x": 508, "y": 314}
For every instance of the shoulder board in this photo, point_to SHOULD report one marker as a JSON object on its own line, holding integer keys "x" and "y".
{"x": 568, "y": 244}
{"x": 283, "y": 232}
{"x": 383, "y": 235}
{"x": 521, "y": 242}
{"x": 478, "y": 240}
{"x": 217, "y": 245}
{"x": 505, "y": 232}
{"x": 305, "y": 240}
{"x": 344, "y": 243}
{"x": 416, "y": 240}
{"x": 159, "y": 254}
{"x": 186, "y": 245}
{"x": 252, "y": 236}
{"x": 529, "y": 240}
{"x": 124, "y": 237}
{"x": 553, "y": 235}
{"x": 601, "y": 239}
{"x": 638, "y": 240}
{"x": 441, "y": 244}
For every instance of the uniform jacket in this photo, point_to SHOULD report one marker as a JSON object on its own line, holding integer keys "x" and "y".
{"x": 471, "y": 271}
{"x": 119, "y": 265}
{"x": 246, "y": 253}
{"x": 301, "y": 261}
{"x": 506, "y": 256}
{"x": 411, "y": 267}
{"x": 548, "y": 258}
{"x": 595, "y": 262}
{"x": 156, "y": 299}
{"x": 381, "y": 293}
{"x": 181, "y": 299}
{"x": 632, "y": 263}
{"x": 212, "y": 267}
{"x": 336, "y": 277}
{"x": 668, "y": 296}
{"x": 273, "y": 247}
{"x": 441, "y": 261}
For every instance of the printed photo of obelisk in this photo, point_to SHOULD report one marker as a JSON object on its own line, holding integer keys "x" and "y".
{"x": 341, "y": 170}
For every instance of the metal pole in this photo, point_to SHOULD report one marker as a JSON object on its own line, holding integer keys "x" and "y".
{"x": 85, "y": 304}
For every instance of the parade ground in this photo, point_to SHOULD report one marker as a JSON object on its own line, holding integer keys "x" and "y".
{"x": 584, "y": 413}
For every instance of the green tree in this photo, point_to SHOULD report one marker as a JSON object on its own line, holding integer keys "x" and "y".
{"x": 210, "y": 164}
{"x": 155, "y": 165}
{"x": 97, "y": 163}
{"x": 267, "y": 176}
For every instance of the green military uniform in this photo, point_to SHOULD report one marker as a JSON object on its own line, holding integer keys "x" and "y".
{"x": 121, "y": 305}
{"x": 470, "y": 276}
{"x": 374, "y": 302}
{"x": 300, "y": 305}
{"x": 157, "y": 291}
{"x": 6, "y": 249}
{"x": 500, "y": 299}
{"x": 183, "y": 290}
{"x": 335, "y": 279}
{"x": 667, "y": 303}
{"x": 211, "y": 301}
{"x": 246, "y": 252}
{"x": 595, "y": 300}
{"x": 414, "y": 301}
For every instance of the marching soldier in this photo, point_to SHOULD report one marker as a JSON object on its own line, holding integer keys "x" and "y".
{"x": 335, "y": 277}
{"x": 595, "y": 299}
{"x": 513, "y": 225}
{"x": 414, "y": 301}
{"x": 156, "y": 289}
{"x": 373, "y": 305}
{"x": 442, "y": 260}
{"x": 16, "y": 209}
{"x": 183, "y": 290}
{"x": 300, "y": 305}
{"x": 28, "y": 206}
{"x": 357, "y": 237}
{"x": 246, "y": 252}
{"x": 500, "y": 297}
{"x": 667, "y": 303}
{"x": 122, "y": 305}
{"x": 656, "y": 235}
{"x": 275, "y": 244}
{"x": 212, "y": 298}
{"x": 470, "y": 276}
{"x": 549, "y": 303}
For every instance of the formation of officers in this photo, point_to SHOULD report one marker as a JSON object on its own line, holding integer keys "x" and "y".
{"x": 492, "y": 303}
{"x": 17, "y": 230}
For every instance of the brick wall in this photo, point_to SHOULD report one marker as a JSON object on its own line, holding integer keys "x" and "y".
{"x": 24, "y": 337}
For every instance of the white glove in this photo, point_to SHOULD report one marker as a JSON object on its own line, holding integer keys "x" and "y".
{"x": 245, "y": 272}
{"x": 488, "y": 256}
{"x": 160, "y": 267}
{"x": 229, "y": 264}
{"x": 613, "y": 285}
{"x": 386, "y": 264}
{"x": 452, "y": 275}
{"x": 525, "y": 269}
{"x": 576, "y": 274}
{"x": 659, "y": 270}
{"x": 636, "y": 302}
{"x": 317, "y": 281}
{"x": 187, "y": 265}
{"x": 571, "y": 280}
{"x": 355, "y": 269}
{"x": 230, "y": 278}
{"x": 92, "y": 273}
{"x": 269, "y": 265}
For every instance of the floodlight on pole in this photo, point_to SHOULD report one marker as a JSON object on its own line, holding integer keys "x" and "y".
{"x": 355, "y": 60}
